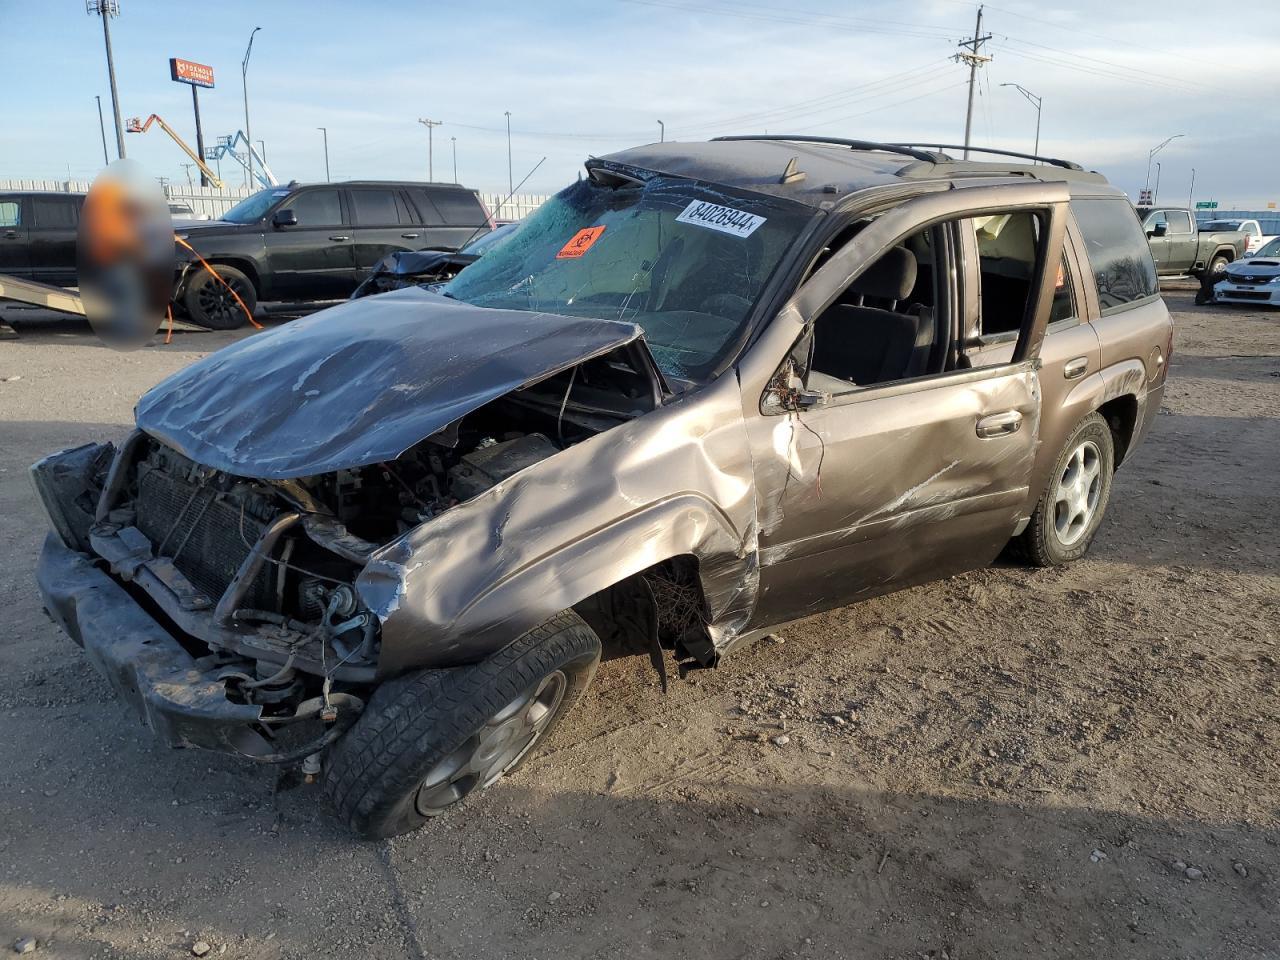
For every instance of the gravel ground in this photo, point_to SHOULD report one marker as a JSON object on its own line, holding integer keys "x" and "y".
{"x": 1077, "y": 762}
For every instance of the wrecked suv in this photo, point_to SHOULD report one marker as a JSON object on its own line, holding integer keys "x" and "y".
{"x": 709, "y": 389}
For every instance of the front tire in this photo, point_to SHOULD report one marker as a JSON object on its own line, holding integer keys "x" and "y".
{"x": 211, "y": 305}
{"x": 430, "y": 738}
{"x": 1218, "y": 266}
{"x": 1071, "y": 509}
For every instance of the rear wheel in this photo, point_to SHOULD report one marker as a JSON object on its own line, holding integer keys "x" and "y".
{"x": 429, "y": 739}
{"x": 210, "y": 304}
{"x": 1071, "y": 508}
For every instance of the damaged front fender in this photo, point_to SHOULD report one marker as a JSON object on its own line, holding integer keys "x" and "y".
{"x": 675, "y": 482}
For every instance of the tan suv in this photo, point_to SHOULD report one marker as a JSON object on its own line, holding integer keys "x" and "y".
{"x": 709, "y": 389}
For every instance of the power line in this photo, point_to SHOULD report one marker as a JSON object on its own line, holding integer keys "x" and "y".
{"x": 840, "y": 23}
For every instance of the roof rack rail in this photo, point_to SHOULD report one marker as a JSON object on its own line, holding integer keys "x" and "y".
{"x": 1052, "y": 161}
{"x": 905, "y": 149}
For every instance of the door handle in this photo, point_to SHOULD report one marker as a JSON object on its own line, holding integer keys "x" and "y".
{"x": 1000, "y": 424}
{"x": 409, "y": 236}
{"x": 340, "y": 237}
{"x": 11, "y": 235}
{"x": 1075, "y": 367}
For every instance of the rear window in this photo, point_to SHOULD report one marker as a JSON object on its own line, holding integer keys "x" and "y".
{"x": 1118, "y": 252}
{"x": 56, "y": 212}
{"x": 458, "y": 208}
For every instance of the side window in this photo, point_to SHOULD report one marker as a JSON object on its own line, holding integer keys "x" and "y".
{"x": 316, "y": 208}
{"x": 10, "y": 213}
{"x": 404, "y": 216}
{"x": 460, "y": 208}
{"x": 56, "y": 213}
{"x": 1117, "y": 250}
{"x": 427, "y": 212}
{"x": 1179, "y": 221}
{"x": 887, "y": 324}
{"x": 1064, "y": 300}
{"x": 1007, "y": 268}
{"x": 374, "y": 208}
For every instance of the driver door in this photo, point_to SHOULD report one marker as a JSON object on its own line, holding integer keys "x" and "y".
{"x": 865, "y": 488}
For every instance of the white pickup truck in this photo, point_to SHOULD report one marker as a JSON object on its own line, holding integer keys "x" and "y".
{"x": 1250, "y": 228}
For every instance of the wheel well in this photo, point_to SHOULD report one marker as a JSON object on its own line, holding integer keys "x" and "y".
{"x": 1228, "y": 252}
{"x": 666, "y": 597}
{"x": 1121, "y": 415}
{"x": 244, "y": 266}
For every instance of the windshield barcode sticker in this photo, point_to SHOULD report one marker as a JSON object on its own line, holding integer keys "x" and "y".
{"x": 725, "y": 219}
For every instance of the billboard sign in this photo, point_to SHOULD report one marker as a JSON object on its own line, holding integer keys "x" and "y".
{"x": 187, "y": 71}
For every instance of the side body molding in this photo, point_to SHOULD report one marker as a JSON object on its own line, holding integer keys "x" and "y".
{"x": 675, "y": 481}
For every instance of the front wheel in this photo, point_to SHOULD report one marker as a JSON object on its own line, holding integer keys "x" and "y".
{"x": 429, "y": 739}
{"x": 1218, "y": 267}
{"x": 1071, "y": 508}
{"x": 211, "y": 305}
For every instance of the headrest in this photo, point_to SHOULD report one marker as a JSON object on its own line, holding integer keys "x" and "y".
{"x": 892, "y": 277}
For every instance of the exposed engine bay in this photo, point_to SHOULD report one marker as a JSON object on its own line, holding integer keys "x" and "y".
{"x": 265, "y": 569}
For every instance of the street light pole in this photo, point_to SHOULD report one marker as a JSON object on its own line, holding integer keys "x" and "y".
{"x": 108, "y": 9}
{"x": 662, "y": 132}
{"x": 102, "y": 128}
{"x": 1035, "y": 102}
{"x": 1152, "y": 155}
{"x": 325, "y": 131}
{"x": 453, "y": 141}
{"x": 1191, "y": 191}
{"x": 1156, "y": 195}
{"x": 510, "y": 179}
{"x": 248, "y": 134}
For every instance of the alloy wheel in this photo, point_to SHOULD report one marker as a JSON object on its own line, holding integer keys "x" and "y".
{"x": 1076, "y": 495}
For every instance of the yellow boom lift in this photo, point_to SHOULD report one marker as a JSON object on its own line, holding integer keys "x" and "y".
{"x": 137, "y": 125}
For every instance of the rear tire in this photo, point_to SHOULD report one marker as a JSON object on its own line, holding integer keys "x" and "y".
{"x": 210, "y": 304}
{"x": 1074, "y": 501}
{"x": 430, "y": 738}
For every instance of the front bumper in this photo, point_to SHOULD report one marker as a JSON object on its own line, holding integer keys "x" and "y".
{"x": 141, "y": 660}
{"x": 1264, "y": 294}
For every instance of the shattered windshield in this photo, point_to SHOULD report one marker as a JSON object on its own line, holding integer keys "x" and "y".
{"x": 684, "y": 260}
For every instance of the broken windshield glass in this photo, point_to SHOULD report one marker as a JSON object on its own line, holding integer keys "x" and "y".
{"x": 686, "y": 261}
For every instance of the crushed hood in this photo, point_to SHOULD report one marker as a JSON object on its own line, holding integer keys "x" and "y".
{"x": 361, "y": 382}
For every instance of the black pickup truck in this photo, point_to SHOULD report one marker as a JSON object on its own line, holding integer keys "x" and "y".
{"x": 315, "y": 242}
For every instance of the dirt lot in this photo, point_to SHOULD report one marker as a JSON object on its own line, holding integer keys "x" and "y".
{"x": 1078, "y": 762}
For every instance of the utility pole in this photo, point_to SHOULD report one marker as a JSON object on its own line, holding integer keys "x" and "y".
{"x": 187, "y": 169}
{"x": 454, "y": 143}
{"x": 248, "y": 135}
{"x": 974, "y": 58}
{"x": 108, "y": 9}
{"x": 1035, "y": 102}
{"x": 102, "y": 128}
{"x": 325, "y": 131}
{"x": 510, "y": 178}
{"x": 431, "y": 163}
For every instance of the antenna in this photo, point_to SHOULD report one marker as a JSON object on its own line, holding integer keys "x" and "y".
{"x": 508, "y": 197}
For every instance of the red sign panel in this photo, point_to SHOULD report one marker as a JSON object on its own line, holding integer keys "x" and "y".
{"x": 186, "y": 71}
{"x": 579, "y": 243}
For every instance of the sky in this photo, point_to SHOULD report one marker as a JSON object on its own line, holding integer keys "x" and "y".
{"x": 588, "y": 78}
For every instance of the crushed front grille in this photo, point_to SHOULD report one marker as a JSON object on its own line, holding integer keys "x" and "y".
{"x": 202, "y": 534}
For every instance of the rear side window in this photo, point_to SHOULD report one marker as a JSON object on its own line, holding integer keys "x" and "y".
{"x": 375, "y": 207}
{"x": 56, "y": 212}
{"x": 430, "y": 216}
{"x": 1117, "y": 250}
{"x": 458, "y": 208}
{"x": 10, "y": 213}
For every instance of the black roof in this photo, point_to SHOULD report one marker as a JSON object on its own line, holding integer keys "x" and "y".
{"x": 832, "y": 168}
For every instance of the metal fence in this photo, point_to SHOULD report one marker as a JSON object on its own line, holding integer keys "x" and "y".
{"x": 212, "y": 202}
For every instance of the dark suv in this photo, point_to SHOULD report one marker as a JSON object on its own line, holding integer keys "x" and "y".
{"x": 315, "y": 242}
{"x": 708, "y": 389}
{"x": 38, "y": 236}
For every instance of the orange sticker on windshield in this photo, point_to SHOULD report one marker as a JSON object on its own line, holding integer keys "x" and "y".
{"x": 580, "y": 243}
